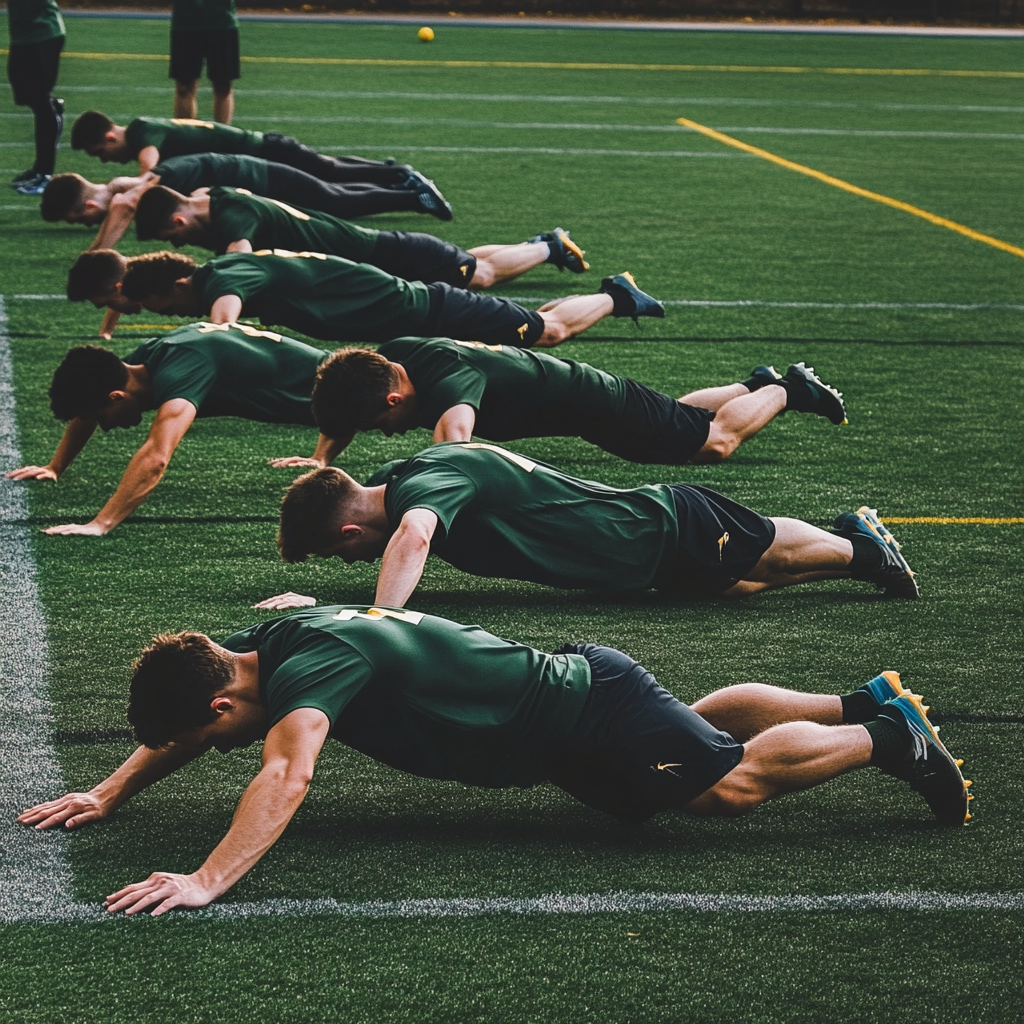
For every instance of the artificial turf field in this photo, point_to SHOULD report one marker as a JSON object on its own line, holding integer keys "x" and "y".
{"x": 919, "y": 326}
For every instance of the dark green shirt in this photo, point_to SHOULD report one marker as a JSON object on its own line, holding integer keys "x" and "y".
{"x": 203, "y": 15}
{"x": 33, "y": 21}
{"x": 322, "y": 296}
{"x": 233, "y": 371}
{"x": 181, "y": 137}
{"x": 420, "y": 693}
{"x": 271, "y": 224}
{"x": 185, "y": 174}
{"x": 516, "y": 392}
{"x": 508, "y": 517}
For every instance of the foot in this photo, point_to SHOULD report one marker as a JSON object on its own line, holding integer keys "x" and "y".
{"x": 814, "y": 395}
{"x": 23, "y": 177}
{"x": 429, "y": 195}
{"x": 928, "y": 766}
{"x": 34, "y": 186}
{"x": 763, "y": 375}
{"x": 563, "y": 252}
{"x": 894, "y": 576}
{"x": 628, "y": 299}
{"x": 883, "y": 688}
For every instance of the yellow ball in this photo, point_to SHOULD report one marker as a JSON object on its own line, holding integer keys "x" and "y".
{"x": 426, "y": 34}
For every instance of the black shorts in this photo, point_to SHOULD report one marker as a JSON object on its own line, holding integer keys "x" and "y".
{"x": 652, "y": 428}
{"x": 636, "y": 750}
{"x": 32, "y": 70}
{"x": 415, "y": 256}
{"x": 218, "y": 48}
{"x": 720, "y": 541}
{"x": 469, "y": 316}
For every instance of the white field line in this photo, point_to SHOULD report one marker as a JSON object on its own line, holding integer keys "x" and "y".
{"x": 36, "y": 874}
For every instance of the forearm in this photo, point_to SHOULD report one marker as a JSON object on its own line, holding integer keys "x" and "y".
{"x": 109, "y": 325}
{"x": 401, "y": 569}
{"x": 456, "y": 424}
{"x": 113, "y": 227}
{"x": 144, "y": 472}
{"x": 76, "y": 435}
{"x": 329, "y": 448}
{"x": 142, "y": 769}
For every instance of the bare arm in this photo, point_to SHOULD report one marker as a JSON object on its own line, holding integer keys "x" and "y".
{"x": 266, "y": 807}
{"x": 404, "y": 558}
{"x": 226, "y": 309}
{"x": 119, "y": 215}
{"x": 240, "y": 245}
{"x": 327, "y": 450}
{"x": 149, "y": 157}
{"x": 76, "y": 434}
{"x": 142, "y": 769}
{"x": 456, "y": 424}
{"x": 109, "y": 324}
{"x": 144, "y": 472}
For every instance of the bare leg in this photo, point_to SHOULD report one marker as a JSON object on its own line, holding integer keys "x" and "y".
{"x": 715, "y": 398}
{"x": 551, "y": 303}
{"x": 223, "y": 102}
{"x": 745, "y": 710}
{"x": 739, "y": 419}
{"x": 573, "y": 315}
{"x": 186, "y": 103}
{"x": 497, "y": 263}
{"x": 797, "y": 755}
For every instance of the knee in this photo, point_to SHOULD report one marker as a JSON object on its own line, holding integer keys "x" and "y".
{"x": 221, "y": 88}
{"x": 554, "y": 332}
{"x": 185, "y": 89}
{"x": 483, "y": 275}
{"x": 732, "y": 797}
{"x": 717, "y": 448}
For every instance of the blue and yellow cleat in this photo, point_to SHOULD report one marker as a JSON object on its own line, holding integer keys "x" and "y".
{"x": 628, "y": 299}
{"x": 884, "y": 688}
{"x": 564, "y": 253}
{"x": 929, "y": 767}
{"x": 894, "y": 576}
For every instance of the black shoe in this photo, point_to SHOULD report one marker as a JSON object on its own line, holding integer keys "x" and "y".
{"x": 628, "y": 299}
{"x": 34, "y": 186}
{"x": 563, "y": 252}
{"x": 894, "y": 576}
{"x": 928, "y": 767}
{"x": 764, "y": 375}
{"x": 429, "y": 196}
{"x": 815, "y": 395}
{"x": 23, "y": 177}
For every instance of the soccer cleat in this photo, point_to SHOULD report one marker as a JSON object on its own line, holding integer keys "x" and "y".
{"x": 763, "y": 375}
{"x": 429, "y": 196}
{"x": 628, "y": 299}
{"x": 894, "y": 576}
{"x": 23, "y": 177}
{"x": 819, "y": 397}
{"x": 34, "y": 186}
{"x": 884, "y": 688}
{"x": 563, "y": 252}
{"x": 928, "y": 767}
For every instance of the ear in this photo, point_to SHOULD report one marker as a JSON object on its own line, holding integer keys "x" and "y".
{"x": 394, "y": 398}
{"x": 91, "y": 204}
{"x": 221, "y": 704}
{"x": 111, "y": 136}
{"x": 350, "y": 531}
{"x": 178, "y": 220}
{"x": 117, "y": 396}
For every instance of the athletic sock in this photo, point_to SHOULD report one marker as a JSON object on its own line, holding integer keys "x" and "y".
{"x": 867, "y": 557}
{"x": 858, "y": 707}
{"x": 547, "y": 245}
{"x": 889, "y": 743}
{"x": 755, "y": 383}
{"x": 799, "y": 397}
{"x": 623, "y": 303}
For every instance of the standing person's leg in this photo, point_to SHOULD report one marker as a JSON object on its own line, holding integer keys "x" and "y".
{"x": 185, "y": 68}
{"x": 223, "y": 66}
{"x": 32, "y": 69}
{"x": 290, "y": 185}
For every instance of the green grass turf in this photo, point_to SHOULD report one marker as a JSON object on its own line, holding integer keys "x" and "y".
{"x": 935, "y": 412}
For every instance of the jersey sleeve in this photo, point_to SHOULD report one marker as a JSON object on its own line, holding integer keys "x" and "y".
{"x": 243, "y": 278}
{"x": 234, "y": 221}
{"x": 444, "y": 490}
{"x": 140, "y": 134}
{"x": 184, "y": 371}
{"x": 463, "y": 385}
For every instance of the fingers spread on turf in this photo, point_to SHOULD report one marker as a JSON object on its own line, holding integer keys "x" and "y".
{"x": 284, "y": 601}
{"x": 294, "y": 462}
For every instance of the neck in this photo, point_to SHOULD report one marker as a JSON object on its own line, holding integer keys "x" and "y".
{"x": 376, "y": 516}
{"x": 140, "y": 385}
{"x": 247, "y": 676}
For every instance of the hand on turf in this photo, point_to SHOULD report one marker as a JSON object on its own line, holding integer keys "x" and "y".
{"x": 78, "y": 529}
{"x": 295, "y": 462}
{"x": 71, "y": 810}
{"x": 106, "y": 335}
{"x": 283, "y": 601}
{"x": 162, "y": 891}
{"x": 31, "y": 473}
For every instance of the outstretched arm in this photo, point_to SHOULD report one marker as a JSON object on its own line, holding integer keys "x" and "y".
{"x": 119, "y": 216}
{"x": 456, "y": 424}
{"x": 289, "y": 756}
{"x": 109, "y": 324}
{"x": 144, "y": 472}
{"x": 149, "y": 157}
{"x": 404, "y": 558}
{"x": 327, "y": 450}
{"x": 226, "y": 309}
{"x": 76, "y": 434}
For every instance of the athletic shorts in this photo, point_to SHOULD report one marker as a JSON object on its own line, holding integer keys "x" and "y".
{"x": 32, "y": 69}
{"x": 720, "y": 541}
{"x": 415, "y": 256}
{"x": 636, "y": 750}
{"x": 652, "y": 428}
{"x": 218, "y": 48}
{"x": 469, "y": 316}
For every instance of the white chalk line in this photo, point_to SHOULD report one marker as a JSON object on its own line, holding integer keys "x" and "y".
{"x": 36, "y": 873}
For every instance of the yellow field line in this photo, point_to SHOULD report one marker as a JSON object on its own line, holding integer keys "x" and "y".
{"x": 856, "y": 190}
{"x": 951, "y": 520}
{"x": 567, "y": 66}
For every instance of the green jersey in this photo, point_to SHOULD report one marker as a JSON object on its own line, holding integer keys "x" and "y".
{"x": 516, "y": 392}
{"x": 33, "y": 21}
{"x": 233, "y": 370}
{"x": 203, "y": 15}
{"x": 185, "y": 174}
{"x": 322, "y": 296}
{"x": 183, "y": 136}
{"x": 420, "y": 693}
{"x": 505, "y": 516}
{"x": 270, "y": 224}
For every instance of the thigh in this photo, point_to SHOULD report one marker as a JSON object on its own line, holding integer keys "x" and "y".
{"x": 469, "y": 316}
{"x": 416, "y": 256}
{"x": 32, "y": 70}
{"x": 187, "y": 51}
{"x": 223, "y": 63}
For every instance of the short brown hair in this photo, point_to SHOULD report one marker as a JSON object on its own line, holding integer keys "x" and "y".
{"x": 173, "y": 682}
{"x": 154, "y": 273}
{"x": 312, "y": 510}
{"x": 154, "y": 212}
{"x": 64, "y": 194}
{"x": 351, "y": 390}
{"x": 82, "y": 383}
{"x": 95, "y": 273}
{"x": 89, "y": 129}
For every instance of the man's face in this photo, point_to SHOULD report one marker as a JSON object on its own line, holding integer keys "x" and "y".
{"x": 115, "y": 300}
{"x": 397, "y": 419}
{"x": 178, "y": 301}
{"x": 240, "y": 726}
{"x": 122, "y": 411}
{"x": 178, "y": 234}
{"x": 109, "y": 150}
{"x": 91, "y": 214}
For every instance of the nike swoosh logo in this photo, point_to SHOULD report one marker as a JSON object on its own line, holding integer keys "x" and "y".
{"x": 665, "y": 767}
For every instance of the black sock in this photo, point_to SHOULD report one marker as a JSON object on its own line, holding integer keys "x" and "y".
{"x": 858, "y": 707}
{"x": 867, "y": 557}
{"x": 754, "y": 383}
{"x": 623, "y": 303}
{"x": 799, "y": 397}
{"x": 889, "y": 743}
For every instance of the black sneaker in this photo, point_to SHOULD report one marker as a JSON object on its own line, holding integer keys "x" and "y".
{"x": 762, "y": 375}
{"x": 564, "y": 253}
{"x": 23, "y": 177}
{"x": 625, "y": 294}
{"x": 894, "y": 576}
{"x": 34, "y": 186}
{"x": 429, "y": 195}
{"x": 929, "y": 767}
{"x": 815, "y": 396}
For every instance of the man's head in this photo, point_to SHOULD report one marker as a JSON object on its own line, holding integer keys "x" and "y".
{"x": 100, "y": 137}
{"x": 162, "y": 283}
{"x": 93, "y": 383}
{"x": 73, "y": 199}
{"x": 168, "y": 216}
{"x": 185, "y": 689}
{"x": 327, "y": 513}
{"x": 97, "y": 277}
{"x": 358, "y": 389}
